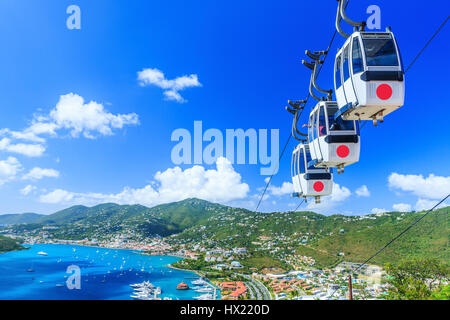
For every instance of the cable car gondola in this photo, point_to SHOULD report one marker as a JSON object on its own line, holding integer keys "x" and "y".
{"x": 308, "y": 180}
{"x": 333, "y": 142}
{"x": 369, "y": 78}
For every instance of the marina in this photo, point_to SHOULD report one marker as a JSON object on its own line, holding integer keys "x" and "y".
{"x": 106, "y": 274}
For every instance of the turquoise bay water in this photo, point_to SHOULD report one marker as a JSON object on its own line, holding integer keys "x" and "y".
{"x": 105, "y": 273}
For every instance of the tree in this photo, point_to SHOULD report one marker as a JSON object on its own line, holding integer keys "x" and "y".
{"x": 416, "y": 279}
{"x": 443, "y": 294}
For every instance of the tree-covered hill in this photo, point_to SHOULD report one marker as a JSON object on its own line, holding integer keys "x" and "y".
{"x": 8, "y": 244}
{"x": 429, "y": 238}
{"x": 278, "y": 235}
{"x": 329, "y": 239}
{"x": 8, "y": 219}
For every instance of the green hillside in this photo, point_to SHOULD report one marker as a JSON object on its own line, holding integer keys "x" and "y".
{"x": 79, "y": 222}
{"x": 331, "y": 239}
{"x": 270, "y": 236}
{"x": 428, "y": 238}
{"x": 188, "y": 213}
{"x": 8, "y": 244}
{"x": 9, "y": 219}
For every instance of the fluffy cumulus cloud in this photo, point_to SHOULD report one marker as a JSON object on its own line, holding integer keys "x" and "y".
{"x": 222, "y": 184}
{"x": 39, "y": 173}
{"x": 155, "y": 77}
{"x": 427, "y": 204}
{"x": 363, "y": 191}
{"x": 58, "y": 196}
{"x": 71, "y": 114}
{"x": 402, "y": 207}
{"x": 428, "y": 189}
{"x": 88, "y": 119}
{"x": 29, "y": 150}
{"x": 28, "y": 189}
{"x": 9, "y": 168}
{"x": 431, "y": 187}
{"x": 286, "y": 188}
{"x": 339, "y": 195}
{"x": 378, "y": 211}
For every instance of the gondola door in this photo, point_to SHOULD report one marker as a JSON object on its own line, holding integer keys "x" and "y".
{"x": 320, "y": 131}
{"x": 349, "y": 91}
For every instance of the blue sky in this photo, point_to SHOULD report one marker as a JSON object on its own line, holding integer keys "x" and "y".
{"x": 245, "y": 62}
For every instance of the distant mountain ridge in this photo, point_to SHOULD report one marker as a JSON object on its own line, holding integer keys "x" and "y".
{"x": 18, "y": 218}
{"x": 328, "y": 239}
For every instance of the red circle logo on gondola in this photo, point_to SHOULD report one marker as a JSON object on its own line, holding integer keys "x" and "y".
{"x": 318, "y": 186}
{"x": 384, "y": 91}
{"x": 343, "y": 151}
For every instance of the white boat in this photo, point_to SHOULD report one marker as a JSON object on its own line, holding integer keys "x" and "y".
{"x": 197, "y": 287}
{"x": 205, "y": 289}
{"x": 42, "y": 253}
{"x": 198, "y": 282}
{"x": 205, "y": 297}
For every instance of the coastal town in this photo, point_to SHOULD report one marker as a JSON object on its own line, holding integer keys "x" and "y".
{"x": 231, "y": 278}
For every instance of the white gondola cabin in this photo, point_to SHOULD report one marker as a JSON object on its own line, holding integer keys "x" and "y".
{"x": 369, "y": 79}
{"x": 333, "y": 142}
{"x": 309, "y": 181}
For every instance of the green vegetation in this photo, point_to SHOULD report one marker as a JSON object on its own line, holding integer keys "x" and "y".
{"x": 272, "y": 239}
{"x": 265, "y": 263}
{"x": 8, "y": 244}
{"x": 8, "y": 219}
{"x": 322, "y": 258}
{"x": 418, "y": 279}
{"x": 429, "y": 238}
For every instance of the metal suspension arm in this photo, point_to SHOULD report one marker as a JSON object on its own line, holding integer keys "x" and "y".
{"x": 313, "y": 66}
{"x": 338, "y": 21}
{"x": 311, "y": 84}
{"x": 347, "y": 19}
{"x": 295, "y": 132}
{"x": 296, "y": 108}
{"x": 327, "y": 92}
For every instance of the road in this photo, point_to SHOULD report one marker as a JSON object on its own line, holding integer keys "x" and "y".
{"x": 262, "y": 293}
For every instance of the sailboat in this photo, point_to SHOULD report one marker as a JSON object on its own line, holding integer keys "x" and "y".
{"x": 31, "y": 268}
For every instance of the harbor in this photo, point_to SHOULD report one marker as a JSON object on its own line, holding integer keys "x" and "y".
{"x": 105, "y": 274}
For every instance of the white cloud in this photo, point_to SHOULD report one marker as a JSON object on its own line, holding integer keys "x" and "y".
{"x": 9, "y": 169}
{"x": 87, "y": 118}
{"x": 70, "y": 113}
{"x": 39, "y": 173}
{"x": 30, "y": 150}
{"x": 432, "y": 187}
{"x": 155, "y": 77}
{"x": 27, "y": 190}
{"x": 402, "y": 207}
{"x": 339, "y": 195}
{"x": 286, "y": 188}
{"x": 378, "y": 211}
{"x": 363, "y": 191}
{"x": 426, "y": 204}
{"x": 222, "y": 184}
{"x": 57, "y": 196}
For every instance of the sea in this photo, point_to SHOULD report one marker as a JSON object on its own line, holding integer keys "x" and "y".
{"x": 105, "y": 274}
